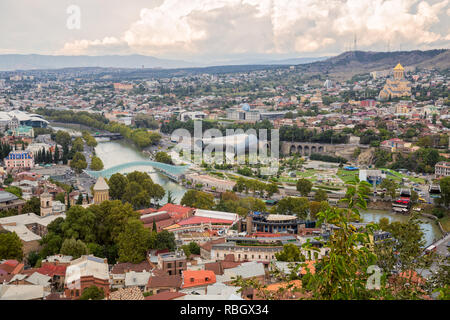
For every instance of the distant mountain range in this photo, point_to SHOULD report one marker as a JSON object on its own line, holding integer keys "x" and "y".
{"x": 12, "y": 62}
{"x": 351, "y": 63}
{"x": 342, "y": 66}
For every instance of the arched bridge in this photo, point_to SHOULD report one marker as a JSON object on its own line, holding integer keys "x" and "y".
{"x": 173, "y": 172}
{"x": 307, "y": 148}
{"x": 110, "y": 135}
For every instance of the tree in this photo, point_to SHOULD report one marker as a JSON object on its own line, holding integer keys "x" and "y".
{"x": 163, "y": 157}
{"x": 61, "y": 197}
{"x": 187, "y": 251}
{"x": 117, "y": 184}
{"x": 74, "y": 248}
{"x": 33, "y": 205}
{"x": 14, "y": 190}
{"x": 194, "y": 248}
{"x": 165, "y": 240}
{"x": 320, "y": 195}
{"x": 78, "y": 145}
{"x": 343, "y": 272}
{"x": 63, "y": 138}
{"x": 293, "y": 206}
{"x": 78, "y": 162}
{"x": 170, "y": 197}
{"x": 414, "y": 196}
{"x": 96, "y": 163}
{"x": 304, "y": 186}
{"x": 80, "y": 199}
{"x": 198, "y": 199}
{"x": 444, "y": 183}
{"x": 79, "y": 224}
{"x": 33, "y": 258}
{"x": 390, "y": 186}
{"x": 10, "y": 246}
{"x": 133, "y": 243}
{"x": 271, "y": 189}
{"x": 93, "y": 293}
{"x": 290, "y": 253}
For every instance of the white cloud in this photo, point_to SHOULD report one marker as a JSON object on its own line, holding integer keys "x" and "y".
{"x": 179, "y": 28}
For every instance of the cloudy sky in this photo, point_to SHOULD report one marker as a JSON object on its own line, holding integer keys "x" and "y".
{"x": 202, "y": 30}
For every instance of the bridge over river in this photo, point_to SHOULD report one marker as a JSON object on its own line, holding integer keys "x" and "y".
{"x": 173, "y": 172}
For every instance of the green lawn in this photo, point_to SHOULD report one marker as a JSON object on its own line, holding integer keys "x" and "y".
{"x": 445, "y": 221}
{"x": 347, "y": 176}
{"x": 398, "y": 176}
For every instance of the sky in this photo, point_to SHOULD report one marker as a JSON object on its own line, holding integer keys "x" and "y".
{"x": 211, "y": 30}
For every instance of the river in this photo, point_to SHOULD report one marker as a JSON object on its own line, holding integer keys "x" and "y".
{"x": 117, "y": 152}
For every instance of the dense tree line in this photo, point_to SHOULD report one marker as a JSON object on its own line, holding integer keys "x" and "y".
{"x": 141, "y": 137}
{"x": 109, "y": 230}
{"x": 421, "y": 161}
{"x": 327, "y": 158}
{"x": 5, "y": 149}
{"x": 296, "y": 134}
{"x": 136, "y": 188}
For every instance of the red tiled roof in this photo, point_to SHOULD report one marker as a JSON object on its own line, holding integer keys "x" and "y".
{"x": 164, "y": 282}
{"x": 215, "y": 267}
{"x": 5, "y": 278}
{"x": 165, "y": 296}
{"x": 176, "y": 211}
{"x": 12, "y": 266}
{"x": 52, "y": 270}
{"x": 156, "y": 218}
{"x": 208, "y": 245}
{"x": 147, "y": 211}
{"x": 121, "y": 268}
{"x": 159, "y": 225}
{"x": 200, "y": 220}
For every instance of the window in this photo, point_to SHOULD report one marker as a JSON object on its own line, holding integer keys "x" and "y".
{"x": 192, "y": 279}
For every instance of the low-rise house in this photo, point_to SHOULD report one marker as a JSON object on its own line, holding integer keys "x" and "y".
{"x": 137, "y": 279}
{"x": 22, "y": 292}
{"x": 197, "y": 280}
{"x": 119, "y": 270}
{"x": 246, "y": 270}
{"x": 442, "y": 169}
{"x": 29, "y": 227}
{"x": 205, "y": 249}
{"x": 172, "y": 263}
{"x": 10, "y": 201}
{"x": 163, "y": 283}
{"x": 35, "y": 278}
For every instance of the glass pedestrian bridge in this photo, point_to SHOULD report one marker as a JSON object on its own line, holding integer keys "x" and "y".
{"x": 173, "y": 172}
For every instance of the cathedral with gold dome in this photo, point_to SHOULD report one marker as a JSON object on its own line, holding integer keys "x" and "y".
{"x": 397, "y": 86}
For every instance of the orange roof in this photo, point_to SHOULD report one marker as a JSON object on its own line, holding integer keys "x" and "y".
{"x": 195, "y": 278}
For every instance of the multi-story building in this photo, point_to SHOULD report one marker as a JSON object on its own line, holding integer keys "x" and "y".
{"x": 10, "y": 201}
{"x": 19, "y": 159}
{"x": 85, "y": 272}
{"x": 442, "y": 169}
{"x": 172, "y": 263}
{"x": 273, "y": 223}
